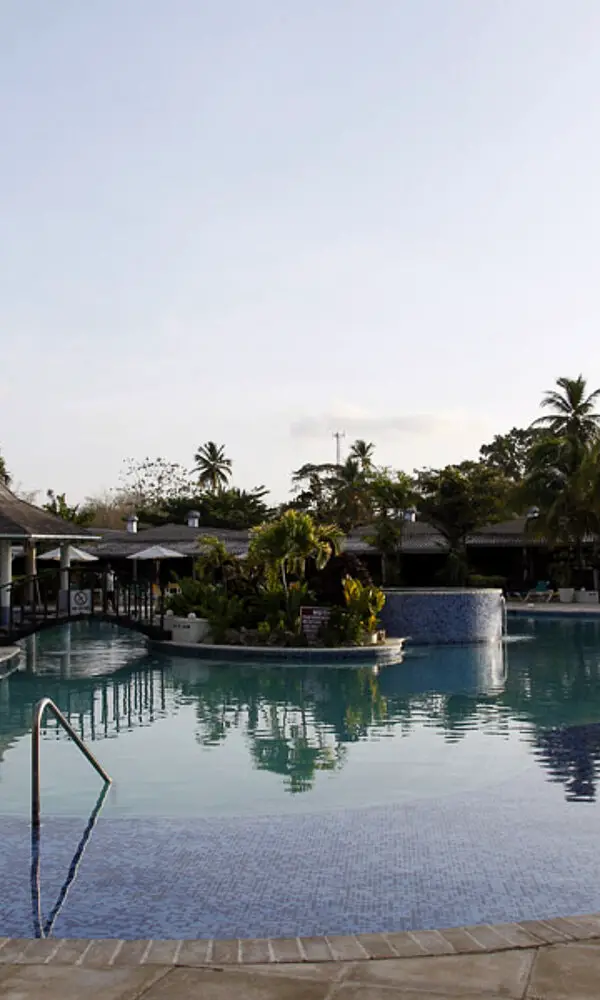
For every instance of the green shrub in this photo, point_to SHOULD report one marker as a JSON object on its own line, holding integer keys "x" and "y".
{"x": 191, "y": 599}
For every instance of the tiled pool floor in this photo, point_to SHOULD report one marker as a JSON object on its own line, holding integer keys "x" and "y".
{"x": 470, "y": 859}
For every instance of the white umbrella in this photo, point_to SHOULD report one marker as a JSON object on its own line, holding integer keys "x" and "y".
{"x": 75, "y": 555}
{"x": 157, "y": 552}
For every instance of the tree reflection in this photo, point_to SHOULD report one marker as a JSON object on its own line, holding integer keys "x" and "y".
{"x": 571, "y": 756}
{"x": 554, "y": 687}
{"x": 300, "y": 722}
{"x": 297, "y": 720}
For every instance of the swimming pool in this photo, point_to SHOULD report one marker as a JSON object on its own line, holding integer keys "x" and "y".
{"x": 456, "y": 787}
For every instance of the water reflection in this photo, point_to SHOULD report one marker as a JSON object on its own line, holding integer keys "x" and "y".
{"x": 296, "y": 722}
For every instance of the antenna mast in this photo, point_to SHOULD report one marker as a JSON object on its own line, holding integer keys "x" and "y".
{"x": 338, "y": 435}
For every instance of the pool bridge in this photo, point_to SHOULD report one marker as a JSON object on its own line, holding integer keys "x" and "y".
{"x": 38, "y": 603}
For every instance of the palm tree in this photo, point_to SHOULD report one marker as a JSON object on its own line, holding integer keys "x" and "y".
{"x": 213, "y": 467}
{"x": 572, "y": 411}
{"x": 391, "y": 497}
{"x": 564, "y": 483}
{"x": 285, "y": 545}
{"x": 351, "y": 494}
{"x": 362, "y": 452}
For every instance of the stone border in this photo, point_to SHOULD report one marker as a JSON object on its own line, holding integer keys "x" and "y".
{"x": 391, "y": 651}
{"x": 479, "y": 939}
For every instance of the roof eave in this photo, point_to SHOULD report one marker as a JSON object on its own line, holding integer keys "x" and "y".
{"x": 14, "y": 537}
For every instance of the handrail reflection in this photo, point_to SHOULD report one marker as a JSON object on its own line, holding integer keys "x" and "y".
{"x": 42, "y": 930}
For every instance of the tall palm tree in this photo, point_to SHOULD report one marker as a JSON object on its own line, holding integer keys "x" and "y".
{"x": 362, "y": 452}
{"x": 351, "y": 494}
{"x": 572, "y": 412}
{"x": 564, "y": 482}
{"x": 212, "y": 465}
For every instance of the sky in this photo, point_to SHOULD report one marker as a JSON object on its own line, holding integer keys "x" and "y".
{"x": 261, "y": 221}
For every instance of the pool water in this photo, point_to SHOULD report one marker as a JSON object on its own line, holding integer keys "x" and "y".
{"x": 456, "y": 787}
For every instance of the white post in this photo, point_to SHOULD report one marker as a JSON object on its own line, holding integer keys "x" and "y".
{"x": 5, "y": 580}
{"x": 65, "y": 565}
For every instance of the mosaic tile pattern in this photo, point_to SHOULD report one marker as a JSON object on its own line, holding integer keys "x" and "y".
{"x": 451, "y": 616}
{"x": 475, "y": 858}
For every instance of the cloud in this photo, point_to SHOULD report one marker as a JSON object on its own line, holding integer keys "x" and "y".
{"x": 358, "y": 423}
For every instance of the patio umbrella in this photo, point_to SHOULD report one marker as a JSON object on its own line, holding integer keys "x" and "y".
{"x": 75, "y": 555}
{"x": 156, "y": 553}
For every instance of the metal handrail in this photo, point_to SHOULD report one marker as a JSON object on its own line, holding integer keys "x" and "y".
{"x": 38, "y": 712}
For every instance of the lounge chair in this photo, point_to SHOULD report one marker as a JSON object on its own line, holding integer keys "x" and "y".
{"x": 541, "y": 592}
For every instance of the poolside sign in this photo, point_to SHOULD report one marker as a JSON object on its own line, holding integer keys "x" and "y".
{"x": 81, "y": 602}
{"x": 312, "y": 620}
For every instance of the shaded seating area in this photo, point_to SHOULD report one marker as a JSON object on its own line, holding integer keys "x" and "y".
{"x": 26, "y": 526}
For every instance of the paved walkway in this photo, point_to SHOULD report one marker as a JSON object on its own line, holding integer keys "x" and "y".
{"x": 536, "y": 960}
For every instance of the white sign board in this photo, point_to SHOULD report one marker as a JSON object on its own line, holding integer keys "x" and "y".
{"x": 81, "y": 602}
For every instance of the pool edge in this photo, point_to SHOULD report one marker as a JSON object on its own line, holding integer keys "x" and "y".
{"x": 208, "y": 952}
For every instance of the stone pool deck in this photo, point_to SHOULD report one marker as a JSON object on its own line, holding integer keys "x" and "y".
{"x": 556, "y": 959}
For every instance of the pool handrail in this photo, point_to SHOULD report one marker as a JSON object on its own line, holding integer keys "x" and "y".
{"x": 38, "y": 712}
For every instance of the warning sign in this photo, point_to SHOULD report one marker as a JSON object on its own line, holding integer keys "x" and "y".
{"x": 312, "y": 620}
{"x": 81, "y": 602}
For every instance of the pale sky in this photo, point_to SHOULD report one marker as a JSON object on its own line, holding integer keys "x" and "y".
{"x": 260, "y": 221}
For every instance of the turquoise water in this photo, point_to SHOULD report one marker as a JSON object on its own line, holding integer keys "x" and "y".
{"x": 187, "y": 738}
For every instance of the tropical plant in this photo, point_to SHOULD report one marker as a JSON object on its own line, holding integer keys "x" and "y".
{"x": 328, "y": 583}
{"x": 224, "y": 612}
{"x": 214, "y": 561}
{"x": 364, "y": 602}
{"x": 314, "y": 490}
{"x": 191, "y": 598}
{"x": 212, "y": 465}
{"x": 351, "y": 495}
{"x": 572, "y": 412}
{"x": 564, "y": 485}
{"x": 56, "y": 503}
{"x": 358, "y": 620}
{"x": 231, "y": 508}
{"x": 391, "y": 496}
{"x": 362, "y": 452}
{"x": 285, "y": 545}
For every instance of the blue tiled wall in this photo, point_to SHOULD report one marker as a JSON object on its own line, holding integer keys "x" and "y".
{"x": 444, "y": 616}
